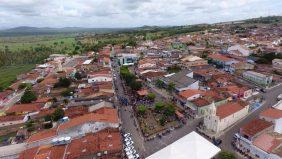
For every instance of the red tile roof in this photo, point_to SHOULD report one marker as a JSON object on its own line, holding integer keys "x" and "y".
{"x": 272, "y": 113}
{"x": 8, "y": 118}
{"x": 109, "y": 115}
{"x": 228, "y": 109}
{"x": 106, "y": 140}
{"x": 90, "y": 144}
{"x": 20, "y": 108}
{"x": 189, "y": 93}
{"x": 255, "y": 126}
{"x": 200, "y": 102}
{"x": 42, "y": 135}
{"x": 220, "y": 57}
{"x": 267, "y": 142}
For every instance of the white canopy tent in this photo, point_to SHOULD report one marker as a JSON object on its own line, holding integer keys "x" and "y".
{"x": 191, "y": 146}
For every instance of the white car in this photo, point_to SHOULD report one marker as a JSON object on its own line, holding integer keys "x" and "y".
{"x": 126, "y": 135}
{"x": 127, "y": 139}
{"x": 130, "y": 152}
{"x": 279, "y": 97}
{"x": 136, "y": 156}
{"x": 129, "y": 148}
{"x": 130, "y": 156}
{"x": 129, "y": 143}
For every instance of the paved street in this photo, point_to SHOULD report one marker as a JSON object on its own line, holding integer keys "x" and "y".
{"x": 146, "y": 148}
{"x": 129, "y": 124}
{"x": 270, "y": 99}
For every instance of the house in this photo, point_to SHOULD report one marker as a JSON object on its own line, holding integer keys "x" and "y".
{"x": 21, "y": 109}
{"x": 239, "y": 50}
{"x": 193, "y": 61}
{"x": 101, "y": 119}
{"x": 225, "y": 115}
{"x": 99, "y": 76}
{"x": 271, "y": 115}
{"x": 147, "y": 63}
{"x": 92, "y": 122}
{"x": 240, "y": 66}
{"x": 277, "y": 64}
{"x": 9, "y": 120}
{"x": 5, "y": 96}
{"x": 127, "y": 59}
{"x": 250, "y": 130}
{"x": 103, "y": 144}
{"x": 258, "y": 78}
{"x": 237, "y": 92}
{"x": 152, "y": 75}
{"x": 182, "y": 80}
{"x": 221, "y": 60}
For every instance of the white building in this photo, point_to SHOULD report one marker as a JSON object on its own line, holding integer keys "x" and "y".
{"x": 225, "y": 115}
{"x": 277, "y": 64}
{"x": 191, "y": 146}
{"x": 258, "y": 78}
{"x": 238, "y": 50}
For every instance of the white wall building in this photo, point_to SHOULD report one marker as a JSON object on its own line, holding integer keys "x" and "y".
{"x": 225, "y": 115}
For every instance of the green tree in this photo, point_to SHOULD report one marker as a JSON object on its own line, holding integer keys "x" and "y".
{"x": 163, "y": 120}
{"x": 1, "y": 89}
{"x": 160, "y": 83}
{"x": 58, "y": 114}
{"x": 151, "y": 96}
{"x": 28, "y": 96}
{"x": 226, "y": 155}
{"x": 159, "y": 106}
{"x": 135, "y": 85}
{"x": 78, "y": 76}
{"x": 24, "y": 85}
{"x": 170, "y": 86}
{"x": 169, "y": 110}
{"x": 29, "y": 125}
{"x": 48, "y": 118}
{"x": 142, "y": 109}
{"x": 63, "y": 82}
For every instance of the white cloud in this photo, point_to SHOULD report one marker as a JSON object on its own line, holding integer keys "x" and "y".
{"x": 127, "y": 13}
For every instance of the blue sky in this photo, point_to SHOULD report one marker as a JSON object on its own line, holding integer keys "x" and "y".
{"x": 130, "y": 13}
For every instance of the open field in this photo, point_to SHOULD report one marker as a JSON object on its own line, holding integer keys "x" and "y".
{"x": 58, "y": 42}
{"x": 9, "y": 74}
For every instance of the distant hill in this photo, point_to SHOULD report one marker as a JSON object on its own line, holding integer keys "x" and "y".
{"x": 265, "y": 20}
{"x": 26, "y": 30}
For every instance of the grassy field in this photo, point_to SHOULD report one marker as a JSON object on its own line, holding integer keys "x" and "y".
{"x": 9, "y": 74}
{"x": 58, "y": 42}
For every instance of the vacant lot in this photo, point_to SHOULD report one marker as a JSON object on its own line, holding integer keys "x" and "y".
{"x": 58, "y": 42}
{"x": 9, "y": 74}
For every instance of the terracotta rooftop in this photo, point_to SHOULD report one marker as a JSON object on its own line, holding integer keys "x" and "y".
{"x": 43, "y": 100}
{"x": 42, "y": 135}
{"x": 267, "y": 142}
{"x": 200, "y": 102}
{"x": 20, "y": 108}
{"x": 189, "y": 93}
{"x": 227, "y": 109}
{"x": 142, "y": 92}
{"x": 106, "y": 140}
{"x": 8, "y": 118}
{"x": 272, "y": 113}
{"x": 220, "y": 57}
{"x": 109, "y": 115}
{"x": 255, "y": 126}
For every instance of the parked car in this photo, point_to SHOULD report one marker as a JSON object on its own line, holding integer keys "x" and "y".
{"x": 130, "y": 152}
{"x": 128, "y": 148}
{"x": 129, "y": 143}
{"x": 127, "y": 139}
{"x": 126, "y": 135}
{"x": 130, "y": 156}
{"x": 136, "y": 156}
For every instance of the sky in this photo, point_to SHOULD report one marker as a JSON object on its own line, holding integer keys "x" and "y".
{"x": 130, "y": 13}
